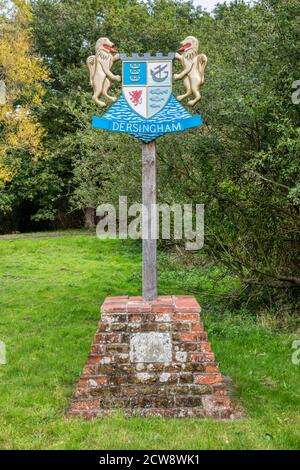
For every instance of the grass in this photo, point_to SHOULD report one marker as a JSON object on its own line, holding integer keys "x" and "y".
{"x": 50, "y": 294}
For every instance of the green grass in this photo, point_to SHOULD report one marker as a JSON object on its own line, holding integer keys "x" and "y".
{"x": 50, "y": 294}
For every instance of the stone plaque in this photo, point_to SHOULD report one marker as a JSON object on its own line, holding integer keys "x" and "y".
{"x": 151, "y": 347}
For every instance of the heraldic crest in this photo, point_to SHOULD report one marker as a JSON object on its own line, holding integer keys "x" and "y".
{"x": 147, "y": 109}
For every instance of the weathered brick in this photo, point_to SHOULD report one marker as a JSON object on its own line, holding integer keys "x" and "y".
{"x": 180, "y": 326}
{"x": 82, "y": 405}
{"x": 197, "y": 327}
{"x": 184, "y": 345}
{"x": 202, "y": 389}
{"x": 164, "y": 327}
{"x": 134, "y": 318}
{"x": 93, "y": 381}
{"x": 189, "y": 337}
{"x": 89, "y": 369}
{"x": 98, "y": 348}
{"x": 188, "y": 402}
{"x": 134, "y": 327}
{"x": 188, "y": 386}
{"x": 195, "y": 357}
{"x": 118, "y": 326}
{"x": 104, "y": 327}
{"x": 194, "y": 367}
{"x": 109, "y": 338}
{"x": 163, "y": 317}
{"x": 117, "y": 348}
{"x": 211, "y": 368}
{"x": 208, "y": 378}
{"x": 186, "y": 317}
{"x": 167, "y": 377}
{"x": 186, "y": 377}
{"x": 205, "y": 346}
{"x": 114, "y": 307}
{"x": 138, "y": 307}
{"x": 147, "y": 327}
{"x": 143, "y": 377}
{"x": 220, "y": 390}
{"x": 163, "y": 307}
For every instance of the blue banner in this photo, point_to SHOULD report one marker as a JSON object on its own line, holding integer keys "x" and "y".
{"x": 146, "y": 127}
{"x": 121, "y": 118}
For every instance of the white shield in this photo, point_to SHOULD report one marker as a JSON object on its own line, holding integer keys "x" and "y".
{"x": 147, "y": 84}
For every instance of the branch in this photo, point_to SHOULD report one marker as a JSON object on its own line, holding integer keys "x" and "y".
{"x": 270, "y": 181}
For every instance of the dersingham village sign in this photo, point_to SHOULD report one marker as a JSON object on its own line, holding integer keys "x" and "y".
{"x": 150, "y": 355}
{"x": 147, "y": 109}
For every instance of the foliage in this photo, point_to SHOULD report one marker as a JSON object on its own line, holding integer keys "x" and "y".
{"x": 243, "y": 164}
{"x": 23, "y": 74}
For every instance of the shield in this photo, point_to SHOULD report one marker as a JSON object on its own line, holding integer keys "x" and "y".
{"x": 147, "y": 84}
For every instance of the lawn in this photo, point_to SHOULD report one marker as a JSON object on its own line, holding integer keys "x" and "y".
{"x": 50, "y": 295}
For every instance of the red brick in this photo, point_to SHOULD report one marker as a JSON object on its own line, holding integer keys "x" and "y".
{"x": 220, "y": 390}
{"x": 108, "y": 373}
{"x": 162, "y": 307}
{"x": 112, "y": 307}
{"x": 99, "y": 380}
{"x": 197, "y": 327}
{"x": 89, "y": 369}
{"x": 190, "y": 317}
{"x": 138, "y": 307}
{"x": 81, "y": 392}
{"x": 103, "y": 326}
{"x": 211, "y": 368}
{"x": 109, "y": 337}
{"x": 84, "y": 405}
{"x": 189, "y": 336}
{"x": 208, "y": 357}
{"x": 205, "y": 346}
{"x": 166, "y": 298}
{"x": 98, "y": 348}
{"x": 135, "y": 318}
{"x": 223, "y": 401}
{"x": 195, "y": 357}
{"x": 208, "y": 379}
{"x": 184, "y": 304}
{"x": 99, "y": 359}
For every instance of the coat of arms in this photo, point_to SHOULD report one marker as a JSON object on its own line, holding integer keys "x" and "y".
{"x": 147, "y": 109}
{"x": 147, "y": 84}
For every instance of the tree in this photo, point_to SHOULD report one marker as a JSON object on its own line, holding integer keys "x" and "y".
{"x": 243, "y": 164}
{"x": 23, "y": 74}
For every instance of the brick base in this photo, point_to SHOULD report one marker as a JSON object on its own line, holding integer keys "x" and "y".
{"x": 151, "y": 359}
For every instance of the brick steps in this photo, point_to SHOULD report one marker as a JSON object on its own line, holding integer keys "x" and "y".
{"x": 151, "y": 359}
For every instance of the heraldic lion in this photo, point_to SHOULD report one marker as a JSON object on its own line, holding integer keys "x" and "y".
{"x": 100, "y": 70}
{"x": 193, "y": 69}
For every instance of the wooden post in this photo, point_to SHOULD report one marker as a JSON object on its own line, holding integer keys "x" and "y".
{"x": 149, "y": 220}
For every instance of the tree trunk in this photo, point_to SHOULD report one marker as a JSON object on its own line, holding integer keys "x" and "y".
{"x": 89, "y": 217}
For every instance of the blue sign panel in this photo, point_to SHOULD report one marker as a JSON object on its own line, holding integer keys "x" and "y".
{"x": 135, "y": 73}
{"x": 147, "y": 109}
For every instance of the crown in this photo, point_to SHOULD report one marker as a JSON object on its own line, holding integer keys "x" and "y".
{"x": 158, "y": 56}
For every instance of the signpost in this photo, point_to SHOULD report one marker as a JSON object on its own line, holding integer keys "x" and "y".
{"x": 150, "y": 355}
{"x": 146, "y": 110}
{"x": 149, "y": 220}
